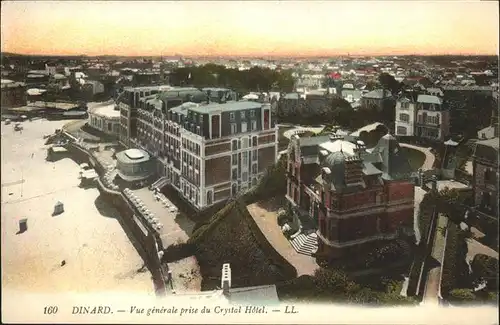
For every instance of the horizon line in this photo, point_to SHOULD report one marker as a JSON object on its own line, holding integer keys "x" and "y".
{"x": 187, "y": 55}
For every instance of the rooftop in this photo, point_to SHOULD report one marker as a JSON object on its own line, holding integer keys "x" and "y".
{"x": 377, "y": 94}
{"x": 213, "y": 107}
{"x": 339, "y": 146}
{"x": 11, "y": 84}
{"x": 134, "y": 153}
{"x": 106, "y": 110}
{"x": 429, "y": 99}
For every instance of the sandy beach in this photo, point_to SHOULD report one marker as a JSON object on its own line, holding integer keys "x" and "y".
{"x": 99, "y": 255}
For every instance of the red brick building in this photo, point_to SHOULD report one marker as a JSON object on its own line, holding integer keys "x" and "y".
{"x": 351, "y": 195}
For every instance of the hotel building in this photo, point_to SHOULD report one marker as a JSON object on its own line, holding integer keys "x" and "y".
{"x": 207, "y": 151}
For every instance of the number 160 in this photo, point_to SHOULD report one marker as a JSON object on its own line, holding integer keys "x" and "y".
{"x": 50, "y": 310}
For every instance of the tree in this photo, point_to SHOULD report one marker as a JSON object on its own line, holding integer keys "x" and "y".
{"x": 254, "y": 79}
{"x": 389, "y": 82}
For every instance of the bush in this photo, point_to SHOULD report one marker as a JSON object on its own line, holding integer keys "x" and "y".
{"x": 462, "y": 295}
{"x": 328, "y": 285}
{"x": 384, "y": 255}
{"x": 177, "y": 252}
{"x": 485, "y": 267}
{"x": 229, "y": 238}
{"x": 455, "y": 269}
{"x": 283, "y": 218}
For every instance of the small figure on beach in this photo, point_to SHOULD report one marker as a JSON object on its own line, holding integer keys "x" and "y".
{"x": 32, "y": 155}
{"x": 63, "y": 263}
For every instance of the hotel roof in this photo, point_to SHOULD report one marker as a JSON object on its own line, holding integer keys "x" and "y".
{"x": 214, "y": 107}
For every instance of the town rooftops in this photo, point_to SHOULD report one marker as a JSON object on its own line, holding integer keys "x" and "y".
{"x": 216, "y": 89}
{"x": 150, "y": 88}
{"x": 469, "y": 88}
{"x": 11, "y": 84}
{"x": 429, "y": 99}
{"x": 378, "y": 94}
{"x": 291, "y": 96}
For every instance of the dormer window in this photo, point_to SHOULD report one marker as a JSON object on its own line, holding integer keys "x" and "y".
{"x": 252, "y": 113}
{"x": 242, "y": 115}
{"x": 231, "y": 116}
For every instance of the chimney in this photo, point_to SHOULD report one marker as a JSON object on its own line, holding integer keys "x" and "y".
{"x": 360, "y": 148}
{"x": 226, "y": 278}
{"x": 222, "y": 97}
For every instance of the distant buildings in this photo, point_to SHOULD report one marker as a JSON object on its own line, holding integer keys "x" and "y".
{"x": 93, "y": 87}
{"x": 13, "y": 94}
{"x": 379, "y": 98}
{"x": 304, "y": 103}
{"x": 352, "y": 195}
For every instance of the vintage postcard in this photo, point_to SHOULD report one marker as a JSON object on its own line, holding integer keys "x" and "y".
{"x": 278, "y": 162}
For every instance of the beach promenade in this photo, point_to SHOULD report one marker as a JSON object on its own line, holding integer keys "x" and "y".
{"x": 98, "y": 254}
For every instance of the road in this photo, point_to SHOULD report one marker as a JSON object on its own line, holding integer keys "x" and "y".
{"x": 432, "y": 291}
{"x": 429, "y": 157}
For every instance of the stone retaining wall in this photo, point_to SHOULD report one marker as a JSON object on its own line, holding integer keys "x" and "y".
{"x": 148, "y": 242}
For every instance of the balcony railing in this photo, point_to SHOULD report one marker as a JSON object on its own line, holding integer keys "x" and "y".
{"x": 429, "y": 125}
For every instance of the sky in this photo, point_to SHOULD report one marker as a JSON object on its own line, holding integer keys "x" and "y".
{"x": 249, "y": 28}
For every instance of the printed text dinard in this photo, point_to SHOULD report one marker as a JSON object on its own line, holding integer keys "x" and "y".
{"x": 219, "y": 310}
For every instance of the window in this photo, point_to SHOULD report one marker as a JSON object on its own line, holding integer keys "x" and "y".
{"x": 401, "y": 130}
{"x": 244, "y": 176}
{"x": 234, "y": 189}
{"x": 252, "y": 113}
{"x": 209, "y": 197}
{"x": 235, "y": 145}
{"x": 405, "y": 105}
{"x": 243, "y": 127}
{"x": 487, "y": 175}
{"x": 254, "y": 155}
{"x": 254, "y": 169}
{"x": 253, "y": 126}
{"x": 234, "y": 174}
{"x": 254, "y": 141}
{"x": 244, "y": 158}
{"x": 242, "y": 115}
{"x": 244, "y": 143}
{"x": 404, "y": 118}
{"x": 231, "y": 116}
{"x": 200, "y": 118}
{"x": 233, "y": 128}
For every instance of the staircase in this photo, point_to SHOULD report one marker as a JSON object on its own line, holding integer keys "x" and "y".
{"x": 160, "y": 183}
{"x": 306, "y": 244}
